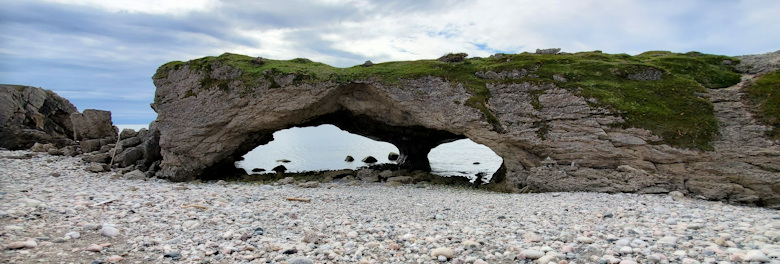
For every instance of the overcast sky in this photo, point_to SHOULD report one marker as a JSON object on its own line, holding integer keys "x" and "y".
{"x": 101, "y": 54}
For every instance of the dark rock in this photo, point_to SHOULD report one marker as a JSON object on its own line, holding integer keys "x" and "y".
{"x": 129, "y": 157}
{"x": 279, "y": 169}
{"x": 97, "y": 168}
{"x": 29, "y": 115}
{"x": 106, "y": 148}
{"x": 453, "y": 57}
{"x": 127, "y": 133}
{"x": 548, "y": 51}
{"x": 97, "y": 158}
{"x": 369, "y": 159}
{"x": 349, "y": 159}
{"x": 91, "y": 145}
{"x": 259, "y": 231}
{"x": 258, "y": 170}
{"x": 338, "y": 174}
{"x": 93, "y": 124}
{"x": 283, "y": 161}
{"x": 259, "y": 61}
{"x": 393, "y": 156}
{"x": 368, "y": 63}
{"x": 290, "y": 251}
{"x": 130, "y": 142}
{"x": 54, "y": 174}
{"x": 476, "y": 163}
{"x": 172, "y": 255}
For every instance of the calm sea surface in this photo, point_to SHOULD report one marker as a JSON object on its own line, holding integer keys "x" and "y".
{"x": 325, "y": 147}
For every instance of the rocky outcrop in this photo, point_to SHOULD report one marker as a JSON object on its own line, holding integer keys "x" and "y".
{"x": 93, "y": 124}
{"x": 29, "y": 115}
{"x": 210, "y": 115}
{"x": 94, "y": 129}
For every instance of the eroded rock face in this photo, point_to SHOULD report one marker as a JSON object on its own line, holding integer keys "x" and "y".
{"x": 204, "y": 130}
{"x": 93, "y": 124}
{"x": 29, "y": 115}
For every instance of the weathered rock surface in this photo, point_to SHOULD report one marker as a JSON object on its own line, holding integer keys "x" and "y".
{"x": 29, "y": 115}
{"x": 93, "y": 124}
{"x": 201, "y": 135}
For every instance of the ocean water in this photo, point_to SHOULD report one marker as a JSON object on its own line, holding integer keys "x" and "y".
{"x": 325, "y": 147}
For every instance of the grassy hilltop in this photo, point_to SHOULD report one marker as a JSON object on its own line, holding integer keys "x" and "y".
{"x": 669, "y": 105}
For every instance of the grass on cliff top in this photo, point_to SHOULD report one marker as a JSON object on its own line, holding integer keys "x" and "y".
{"x": 764, "y": 95}
{"x": 669, "y": 106}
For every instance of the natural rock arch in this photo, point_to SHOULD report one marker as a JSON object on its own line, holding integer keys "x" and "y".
{"x": 358, "y": 108}
{"x": 213, "y": 110}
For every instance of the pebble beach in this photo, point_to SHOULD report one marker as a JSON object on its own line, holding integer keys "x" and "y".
{"x": 53, "y": 211}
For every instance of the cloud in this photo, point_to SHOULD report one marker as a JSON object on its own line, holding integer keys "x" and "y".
{"x": 95, "y": 51}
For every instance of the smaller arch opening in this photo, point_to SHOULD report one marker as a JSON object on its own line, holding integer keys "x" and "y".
{"x": 315, "y": 148}
{"x": 465, "y": 158}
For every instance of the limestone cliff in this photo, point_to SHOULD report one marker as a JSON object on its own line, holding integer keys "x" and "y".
{"x": 607, "y": 123}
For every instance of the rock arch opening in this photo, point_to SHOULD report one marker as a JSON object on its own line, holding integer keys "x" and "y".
{"x": 465, "y": 158}
{"x": 315, "y": 148}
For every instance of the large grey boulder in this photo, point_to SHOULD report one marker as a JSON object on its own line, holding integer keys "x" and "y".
{"x": 29, "y": 115}
{"x": 93, "y": 124}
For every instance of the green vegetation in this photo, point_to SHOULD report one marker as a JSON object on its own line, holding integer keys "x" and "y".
{"x": 667, "y": 106}
{"x": 764, "y": 95}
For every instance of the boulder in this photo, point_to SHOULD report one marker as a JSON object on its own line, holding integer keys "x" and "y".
{"x": 127, "y": 133}
{"x": 401, "y": 179}
{"x": 453, "y": 57}
{"x": 38, "y": 147}
{"x": 279, "y": 169}
{"x": 130, "y": 142}
{"x": 369, "y": 159}
{"x": 134, "y": 175}
{"x": 349, "y": 159}
{"x": 129, "y": 157}
{"x": 97, "y": 158}
{"x": 368, "y": 175}
{"x": 548, "y": 51}
{"x": 29, "y": 115}
{"x": 93, "y": 124}
{"x": 97, "y": 168}
{"x": 393, "y": 156}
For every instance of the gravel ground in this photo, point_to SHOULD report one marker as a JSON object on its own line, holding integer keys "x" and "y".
{"x": 52, "y": 211}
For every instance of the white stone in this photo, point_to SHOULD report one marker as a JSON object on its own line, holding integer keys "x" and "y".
{"x": 756, "y": 255}
{"x": 626, "y": 250}
{"x": 532, "y": 254}
{"x": 446, "y": 252}
{"x": 667, "y": 240}
{"x": 109, "y": 231}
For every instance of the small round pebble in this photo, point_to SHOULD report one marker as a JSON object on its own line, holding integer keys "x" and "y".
{"x": 109, "y": 231}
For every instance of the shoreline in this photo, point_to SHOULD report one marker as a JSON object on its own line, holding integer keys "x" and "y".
{"x": 46, "y": 197}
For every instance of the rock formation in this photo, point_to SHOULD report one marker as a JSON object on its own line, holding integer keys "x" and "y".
{"x": 214, "y": 110}
{"x": 29, "y": 115}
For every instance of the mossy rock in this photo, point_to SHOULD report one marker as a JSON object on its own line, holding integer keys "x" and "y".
{"x": 655, "y": 90}
{"x": 764, "y": 97}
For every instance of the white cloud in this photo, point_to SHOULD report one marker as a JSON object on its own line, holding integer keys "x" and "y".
{"x": 157, "y": 7}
